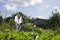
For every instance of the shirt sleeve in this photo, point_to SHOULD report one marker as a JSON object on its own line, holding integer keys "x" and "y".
{"x": 15, "y": 19}
{"x": 20, "y": 21}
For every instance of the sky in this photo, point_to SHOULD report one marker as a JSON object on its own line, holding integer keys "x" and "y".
{"x": 33, "y": 8}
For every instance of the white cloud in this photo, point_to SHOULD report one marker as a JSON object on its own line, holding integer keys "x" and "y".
{"x": 10, "y": 7}
{"x": 21, "y": 2}
{"x": 44, "y": 7}
{"x": 59, "y": 10}
{"x": 47, "y": 6}
{"x": 56, "y": 7}
{"x": 41, "y": 17}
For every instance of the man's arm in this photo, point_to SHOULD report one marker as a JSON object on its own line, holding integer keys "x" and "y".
{"x": 16, "y": 24}
{"x": 16, "y": 21}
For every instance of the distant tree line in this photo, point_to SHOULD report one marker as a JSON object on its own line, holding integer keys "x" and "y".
{"x": 53, "y": 22}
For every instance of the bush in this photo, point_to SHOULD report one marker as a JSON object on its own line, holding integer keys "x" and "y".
{"x": 42, "y": 35}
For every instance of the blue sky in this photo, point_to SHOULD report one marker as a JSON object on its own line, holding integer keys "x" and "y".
{"x": 38, "y": 8}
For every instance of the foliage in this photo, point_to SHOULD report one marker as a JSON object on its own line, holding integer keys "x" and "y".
{"x": 14, "y": 35}
{"x": 29, "y": 31}
{"x": 54, "y": 20}
{"x": 1, "y": 19}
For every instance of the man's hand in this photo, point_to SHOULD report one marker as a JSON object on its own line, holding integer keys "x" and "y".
{"x": 17, "y": 24}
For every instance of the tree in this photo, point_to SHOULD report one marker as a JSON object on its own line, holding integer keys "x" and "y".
{"x": 1, "y": 18}
{"x": 54, "y": 20}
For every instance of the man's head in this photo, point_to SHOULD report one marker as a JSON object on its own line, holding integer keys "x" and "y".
{"x": 18, "y": 14}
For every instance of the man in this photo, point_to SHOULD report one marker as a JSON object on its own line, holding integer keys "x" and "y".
{"x": 18, "y": 21}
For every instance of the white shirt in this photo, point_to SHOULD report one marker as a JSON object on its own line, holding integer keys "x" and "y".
{"x": 18, "y": 20}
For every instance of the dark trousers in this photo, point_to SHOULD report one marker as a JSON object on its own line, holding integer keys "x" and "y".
{"x": 20, "y": 27}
